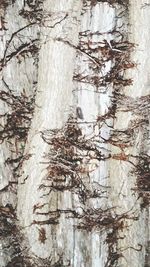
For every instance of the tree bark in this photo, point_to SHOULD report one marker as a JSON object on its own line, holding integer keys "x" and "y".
{"x": 74, "y": 106}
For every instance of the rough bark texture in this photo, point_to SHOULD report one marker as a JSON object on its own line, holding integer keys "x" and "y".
{"x": 74, "y": 110}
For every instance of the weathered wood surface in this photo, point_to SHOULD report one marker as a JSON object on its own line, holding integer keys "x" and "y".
{"x": 91, "y": 62}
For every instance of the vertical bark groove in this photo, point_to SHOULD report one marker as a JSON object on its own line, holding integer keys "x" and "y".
{"x": 74, "y": 132}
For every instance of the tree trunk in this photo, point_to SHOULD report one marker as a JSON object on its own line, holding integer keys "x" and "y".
{"x": 74, "y": 106}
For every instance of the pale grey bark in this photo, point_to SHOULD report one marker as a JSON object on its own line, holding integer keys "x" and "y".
{"x": 85, "y": 61}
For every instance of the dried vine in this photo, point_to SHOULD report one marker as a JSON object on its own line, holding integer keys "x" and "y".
{"x": 68, "y": 161}
{"x": 17, "y": 120}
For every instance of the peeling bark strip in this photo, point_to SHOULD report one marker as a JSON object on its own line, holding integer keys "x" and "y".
{"x": 74, "y": 133}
